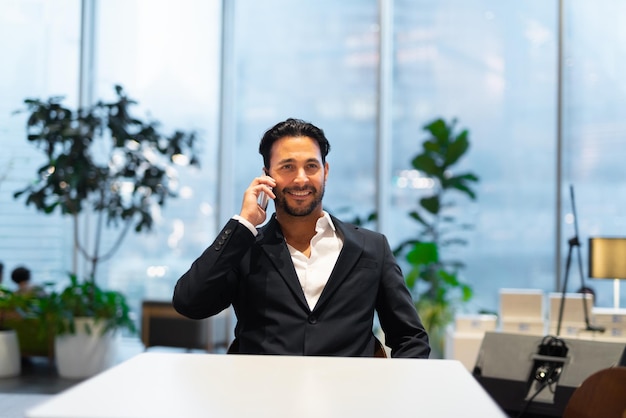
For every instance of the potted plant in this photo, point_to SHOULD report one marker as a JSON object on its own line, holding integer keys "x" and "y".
{"x": 103, "y": 160}
{"x": 434, "y": 280}
{"x": 84, "y": 315}
{"x": 10, "y": 362}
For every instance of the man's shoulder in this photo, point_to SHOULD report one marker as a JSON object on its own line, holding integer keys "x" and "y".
{"x": 349, "y": 227}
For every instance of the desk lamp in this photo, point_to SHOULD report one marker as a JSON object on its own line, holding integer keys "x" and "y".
{"x": 607, "y": 260}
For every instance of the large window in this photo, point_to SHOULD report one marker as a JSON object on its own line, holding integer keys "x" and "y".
{"x": 315, "y": 61}
{"x": 166, "y": 57}
{"x": 594, "y": 129}
{"x": 492, "y": 65}
{"x": 40, "y": 55}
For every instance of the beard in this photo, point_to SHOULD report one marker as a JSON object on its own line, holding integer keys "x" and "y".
{"x": 281, "y": 201}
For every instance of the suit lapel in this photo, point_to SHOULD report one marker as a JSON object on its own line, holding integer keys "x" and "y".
{"x": 272, "y": 241}
{"x": 350, "y": 253}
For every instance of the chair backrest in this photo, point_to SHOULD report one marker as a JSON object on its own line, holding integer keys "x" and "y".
{"x": 379, "y": 350}
{"x": 161, "y": 325}
{"x": 603, "y": 394}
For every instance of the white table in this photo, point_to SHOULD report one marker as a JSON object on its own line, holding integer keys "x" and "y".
{"x": 184, "y": 385}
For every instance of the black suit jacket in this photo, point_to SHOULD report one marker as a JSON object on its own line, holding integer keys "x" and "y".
{"x": 256, "y": 275}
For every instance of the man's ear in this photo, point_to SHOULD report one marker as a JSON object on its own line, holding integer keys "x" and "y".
{"x": 266, "y": 171}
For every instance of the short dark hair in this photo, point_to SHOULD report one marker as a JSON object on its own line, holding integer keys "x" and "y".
{"x": 292, "y": 127}
{"x": 20, "y": 274}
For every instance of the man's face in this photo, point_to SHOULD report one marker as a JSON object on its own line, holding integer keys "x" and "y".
{"x": 296, "y": 165}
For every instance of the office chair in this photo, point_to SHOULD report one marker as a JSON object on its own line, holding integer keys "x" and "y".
{"x": 603, "y": 394}
{"x": 379, "y": 349}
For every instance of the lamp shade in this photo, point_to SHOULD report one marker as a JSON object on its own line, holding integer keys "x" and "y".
{"x": 607, "y": 258}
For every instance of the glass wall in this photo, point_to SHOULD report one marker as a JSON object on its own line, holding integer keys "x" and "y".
{"x": 40, "y": 54}
{"x": 166, "y": 56}
{"x": 492, "y": 65}
{"x": 594, "y": 129}
{"x": 315, "y": 61}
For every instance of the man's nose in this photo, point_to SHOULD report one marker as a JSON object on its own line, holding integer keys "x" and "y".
{"x": 301, "y": 176}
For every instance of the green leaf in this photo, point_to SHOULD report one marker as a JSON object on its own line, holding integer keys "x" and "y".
{"x": 460, "y": 183}
{"x": 431, "y": 204}
{"x": 423, "y": 253}
{"x": 439, "y": 130}
{"x": 457, "y": 148}
{"x": 467, "y": 292}
{"x": 432, "y": 147}
{"x": 449, "y": 278}
{"x": 411, "y": 278}
{"x": 426, "y": 164}
{"x": 418, "y": 217}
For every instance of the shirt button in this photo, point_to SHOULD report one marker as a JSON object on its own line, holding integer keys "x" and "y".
{"x": 313, "y": 319}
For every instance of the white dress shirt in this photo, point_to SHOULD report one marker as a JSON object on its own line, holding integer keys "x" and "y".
{"x": 314, "y": 271}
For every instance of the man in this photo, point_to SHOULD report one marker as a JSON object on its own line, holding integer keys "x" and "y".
{"x": 305, "y": 283}
{"x": 21, "y": 277}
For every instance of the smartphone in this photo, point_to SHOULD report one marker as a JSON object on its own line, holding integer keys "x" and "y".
{"x": 263, "y": 199}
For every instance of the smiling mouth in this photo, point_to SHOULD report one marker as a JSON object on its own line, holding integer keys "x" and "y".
{"x": 299, "y": 193}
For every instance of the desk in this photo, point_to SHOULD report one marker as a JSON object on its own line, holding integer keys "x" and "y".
{"x": 226, "y": 386}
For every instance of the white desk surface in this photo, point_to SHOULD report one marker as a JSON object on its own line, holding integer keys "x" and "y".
{"x": 185, "y": 385}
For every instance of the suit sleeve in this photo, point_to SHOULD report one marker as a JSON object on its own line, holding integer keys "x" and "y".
{"x": 404, "y": 331}
{"x": 208, "y": 286}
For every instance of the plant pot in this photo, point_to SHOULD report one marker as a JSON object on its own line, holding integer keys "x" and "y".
{"x": 83, "y": 354}
{"x": 10, "y": 361}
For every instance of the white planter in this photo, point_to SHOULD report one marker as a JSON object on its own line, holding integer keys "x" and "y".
{"x": 10, "y": 360}
{"x": 83, "y": 355}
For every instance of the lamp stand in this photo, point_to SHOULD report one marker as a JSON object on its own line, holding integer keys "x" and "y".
{"x": 575, "y": 243}
{"x": 616, "y": 293}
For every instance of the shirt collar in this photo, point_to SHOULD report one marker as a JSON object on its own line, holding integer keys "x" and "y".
{"x": 325, "y": 224}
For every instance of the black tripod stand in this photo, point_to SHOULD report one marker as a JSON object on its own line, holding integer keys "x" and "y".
{"x": 574, "y": 243}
